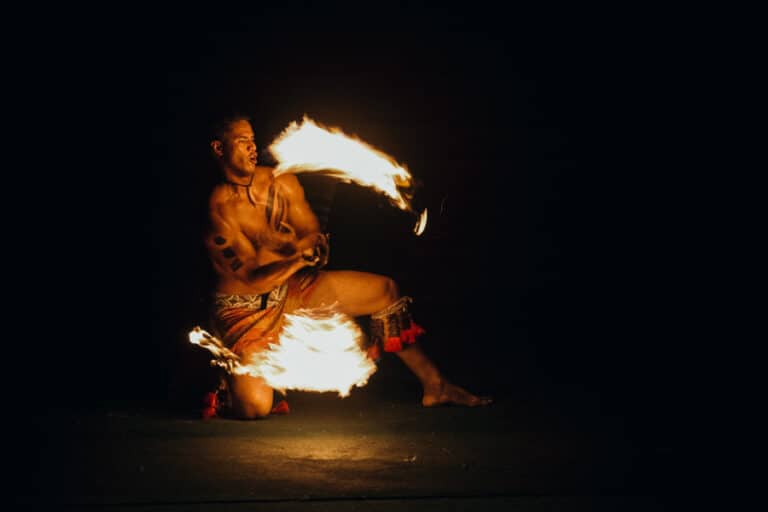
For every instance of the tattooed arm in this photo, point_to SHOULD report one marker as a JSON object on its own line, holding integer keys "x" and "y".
{"x": 237, "y": 260}
{"x": 303, "y": 220}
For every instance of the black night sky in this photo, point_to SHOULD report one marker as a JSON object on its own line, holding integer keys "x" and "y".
{"x": 537, "y": 276}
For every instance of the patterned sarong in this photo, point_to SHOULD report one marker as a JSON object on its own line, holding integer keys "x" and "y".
{"x": 249, "y": 323}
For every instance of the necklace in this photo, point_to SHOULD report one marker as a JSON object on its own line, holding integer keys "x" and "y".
{"x": 247, "y": 188}
{"x": 240, "y": 184}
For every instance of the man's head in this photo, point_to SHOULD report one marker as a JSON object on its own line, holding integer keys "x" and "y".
{"x": 233, "y": 146}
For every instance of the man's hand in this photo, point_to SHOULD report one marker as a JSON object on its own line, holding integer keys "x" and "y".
{"x": 317, "y": 256}
{"x": 323, "y": 249}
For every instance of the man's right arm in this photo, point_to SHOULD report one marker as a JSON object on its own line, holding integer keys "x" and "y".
{"x": 235, "y": 257}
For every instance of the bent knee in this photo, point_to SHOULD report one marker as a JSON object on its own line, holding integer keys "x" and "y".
{"x": 383, "y": 293}
{"x": 253, "y": 409}
{"x": 251, "y": 397}
{"x": 389, "y": 291}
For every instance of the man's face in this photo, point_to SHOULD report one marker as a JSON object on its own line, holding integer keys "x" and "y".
{"x": 239, "y": 148}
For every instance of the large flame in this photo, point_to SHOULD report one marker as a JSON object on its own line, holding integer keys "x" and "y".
{"x": 308, "y": 147}
{"x": 318, "y": 350}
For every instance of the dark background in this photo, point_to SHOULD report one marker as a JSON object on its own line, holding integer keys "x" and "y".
{"x": 540, "y": 141}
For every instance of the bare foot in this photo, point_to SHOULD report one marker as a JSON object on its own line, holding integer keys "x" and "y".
{"x": 446, "y": 393}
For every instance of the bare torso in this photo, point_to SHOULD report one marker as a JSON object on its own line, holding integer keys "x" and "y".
{"x": 257, "y": 226}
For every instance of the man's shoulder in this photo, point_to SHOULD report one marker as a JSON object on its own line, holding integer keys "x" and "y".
{"x": 221, "y": 208}
{"x": 223, "y": 201}
{"x": 219, "y": 195}
{"x": 289, "y": 180}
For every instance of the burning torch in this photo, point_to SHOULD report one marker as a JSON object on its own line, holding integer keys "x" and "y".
{"x": 311, "y": 148}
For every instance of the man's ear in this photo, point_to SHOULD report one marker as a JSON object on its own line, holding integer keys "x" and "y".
{"x": 217, "y": 147}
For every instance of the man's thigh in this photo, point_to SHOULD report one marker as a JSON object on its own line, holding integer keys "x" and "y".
{"x": 352, "y": 292}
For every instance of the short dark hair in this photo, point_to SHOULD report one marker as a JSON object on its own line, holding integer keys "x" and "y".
{"x": 219, "y": 127}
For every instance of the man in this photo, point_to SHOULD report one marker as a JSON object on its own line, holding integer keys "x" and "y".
{"x": 267, "y": 250}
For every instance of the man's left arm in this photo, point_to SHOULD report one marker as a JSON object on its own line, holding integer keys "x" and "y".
{"x": 302, "y": 219}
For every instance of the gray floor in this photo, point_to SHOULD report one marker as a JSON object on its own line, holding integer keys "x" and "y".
{"x": 367, "y": 451}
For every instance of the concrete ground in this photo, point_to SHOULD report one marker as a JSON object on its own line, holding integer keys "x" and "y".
{"x": 377, "y": 449}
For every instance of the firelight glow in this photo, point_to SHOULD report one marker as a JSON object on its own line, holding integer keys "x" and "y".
{"x": 318, "y": 350}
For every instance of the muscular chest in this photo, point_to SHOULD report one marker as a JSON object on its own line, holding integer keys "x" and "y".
{"x": 262, "y": 214}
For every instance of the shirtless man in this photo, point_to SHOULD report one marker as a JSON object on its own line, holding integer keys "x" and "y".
{"x": 267, "y": 249}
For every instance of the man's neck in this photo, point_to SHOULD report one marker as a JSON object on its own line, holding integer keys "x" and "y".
{"x": 261, "y": 175}
{"x": 241, "y": 181}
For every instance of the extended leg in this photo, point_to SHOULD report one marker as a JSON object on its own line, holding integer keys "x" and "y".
{"x": 437, "y": 389}
{"x": 358, "y": 294}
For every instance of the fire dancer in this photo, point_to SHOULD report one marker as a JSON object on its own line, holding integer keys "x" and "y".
{"x": 267, "y": 249}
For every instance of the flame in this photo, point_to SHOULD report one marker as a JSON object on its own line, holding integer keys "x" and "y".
{"x": 318, "y": 350}
{"x": 223, "y": 356}
{"x": 421, "y": 223}
{"x": 308, "y": 147}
